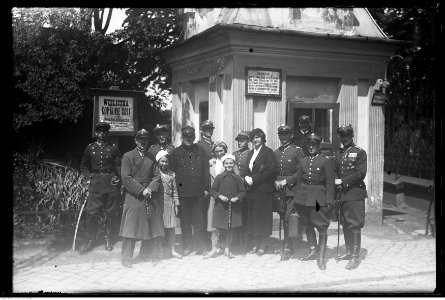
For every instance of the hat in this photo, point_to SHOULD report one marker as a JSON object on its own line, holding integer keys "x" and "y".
{"x": 102, "y": 126}
{"x": 188, "y": 131}
{"x": 207, "y": 124}
{"x": 345, "y": 130}
{"x": 243, "y": 135}
{"x": 142, "y": 134}
{"x": 313, "y": 138}
{"x": 227, "y": 156}
{"x": 161, "y": 154}
{"x": 304, "y": 119}
{"x": 160, "y": 128}
{"x": 284, "y": 129}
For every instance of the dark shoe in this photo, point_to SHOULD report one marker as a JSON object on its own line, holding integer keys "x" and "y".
{"x": 108, "y": 245}
{"x": 287, "y": 253}
{"x": 229, "y": 254}
{"x": 254, "y": 250}
{"x": 311, "y": 256}
{"x": 321, "y": 263}
{"x": 88, "y": 246}
{"x": 127, "y": 263}
{"x": 260, "y": 252}
{"x": 211, "y": 254}
{"x": 354, "y": 262}
{"x": 347, "y": 255}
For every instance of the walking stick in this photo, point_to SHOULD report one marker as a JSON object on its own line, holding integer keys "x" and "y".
{"x": 284, "y": 204}
{"x": 78, "y": 221}
{"x": 338, "y": 221}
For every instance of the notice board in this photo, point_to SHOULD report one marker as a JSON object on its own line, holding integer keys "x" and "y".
{"x": 263, "y": 82}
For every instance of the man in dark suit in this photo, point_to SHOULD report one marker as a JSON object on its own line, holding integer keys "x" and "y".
{"x": 191, "y": 165}
{"x": 206, "y": 142}
{"x": 101, "y": 163}
{"x": 350, "y": 170}
{"x": 315, "y": 185}
{"x": 287, "y": 158}
{"x": 300, "y": 137}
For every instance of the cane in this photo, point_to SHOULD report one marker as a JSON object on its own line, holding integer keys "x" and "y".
{"x": 338, "y": 221}
{"x": 283, "y": 199}
{"x": 78, "y": 221}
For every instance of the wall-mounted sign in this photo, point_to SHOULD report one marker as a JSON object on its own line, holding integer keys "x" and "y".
{"x": 378, "y": 98}
{"x": 118, "y": 108}
{"x": 263, "y": 82}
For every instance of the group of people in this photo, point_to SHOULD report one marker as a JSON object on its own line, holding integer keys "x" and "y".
{"x": 217, "y": 195}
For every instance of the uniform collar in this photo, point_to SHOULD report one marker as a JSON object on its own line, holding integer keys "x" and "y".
{"x": 165, "y": 146}
{"x": 284, "y": 147}
{"x": 241, "y": 152}
{"x": 207, "y": 140}
{"x": 313, "y": 157}
{"x": 101, "y": 144}
{"x": 342, "y": 149}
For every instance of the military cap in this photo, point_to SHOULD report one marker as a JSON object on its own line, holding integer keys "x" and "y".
{"x": 345, "y": 130}
{"x": 102, "y": 126}
{"x": 243, "y": 135}
{"x": 142, "y": 134}
{"x": 313, "y": 138}
{"x": 188, "y": 131}
{"x": 304, "y": 119}
{"x": 161, "y": 127}
{"x": 284, "y": 129}
{"x": 207, "y": 124}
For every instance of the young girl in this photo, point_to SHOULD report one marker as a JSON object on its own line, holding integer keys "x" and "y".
{"x": 166, "y": 201}
{"x": 228, "y": 191}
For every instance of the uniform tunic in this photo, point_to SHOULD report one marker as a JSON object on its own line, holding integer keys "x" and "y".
{"x": 300, "y": 140}
{"x": 241, "y": 162}
{"x": 287, "y": 159}
{"x": 137, "y": 173}
{"x": 259, "y": 195}
{"x": 207, "y": 146}
{"x": 100, "y": 163}
{"x": 231, "y": 185}
{"x": 350, "y": 166}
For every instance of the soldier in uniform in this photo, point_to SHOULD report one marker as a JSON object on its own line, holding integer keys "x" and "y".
{"x": 242, "y": 164}
{"x": 287, "y": 158}
{"x": 350, "y": 171}
{"x": 304, "y": 122}
{"x": 206, "y": 141}
{"x": 191, "y": 165}
{"x": 315, "y": 189}
{"x": 100, "y": 165}
{"x": 161, "y": 132}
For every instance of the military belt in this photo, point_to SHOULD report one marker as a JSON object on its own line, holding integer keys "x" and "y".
{"x": 312, "y": 182}
{"x": 102, "y": 171}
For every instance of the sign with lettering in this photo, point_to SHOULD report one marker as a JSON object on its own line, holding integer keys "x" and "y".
{"x": 118, "y": 112}
{"x": 263, "y": 82}
{"x": 378, "y": 98}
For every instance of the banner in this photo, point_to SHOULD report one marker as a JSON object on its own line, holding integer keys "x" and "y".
{"x": 118, "y": 112}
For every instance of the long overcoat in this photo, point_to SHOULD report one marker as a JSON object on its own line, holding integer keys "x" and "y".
{"x": 137, "y": 173}
{"x": 259, "y": 195}
{"x": 231, "y": 185}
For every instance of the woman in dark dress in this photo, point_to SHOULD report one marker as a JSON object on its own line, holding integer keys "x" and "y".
{"x": 260, "y": 179}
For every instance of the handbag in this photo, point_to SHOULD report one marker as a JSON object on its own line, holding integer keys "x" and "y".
{"x": 295, "y": 227}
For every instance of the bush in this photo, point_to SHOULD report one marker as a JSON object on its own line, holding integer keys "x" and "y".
{"x": 44, "y": 186}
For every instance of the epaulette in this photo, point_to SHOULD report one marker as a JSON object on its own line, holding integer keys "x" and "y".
{"x": 151, "y": 146}
{"x": 295, "y": 146}
{"x": 92, "y": 144}
{"x": 359, "y": 148}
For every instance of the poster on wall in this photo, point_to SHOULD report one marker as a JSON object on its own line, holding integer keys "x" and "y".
{"x": 118, "y": 112}
{"x": 263, "y": 82}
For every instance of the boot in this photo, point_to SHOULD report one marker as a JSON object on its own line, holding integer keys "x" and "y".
{"x": 322, "y": 242}
{"x": 355, "y": 259}
{"x": 108, "y": 224}
{"x": 287, "y": 251}
{"x": 348, "y": 241}
{"x": 88, "y": 246}
{"x": 312, "y": 240}
{"x": 92, "y": 231}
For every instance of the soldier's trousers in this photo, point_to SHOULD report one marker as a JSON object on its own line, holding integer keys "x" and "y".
{"x": 98, "y": 202}
{"x": 191, "y": 215}
{"x": 352, "y": 214}
{"x": 309, "y": 216}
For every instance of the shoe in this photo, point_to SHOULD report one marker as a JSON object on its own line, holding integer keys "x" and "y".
{"x": 127, "y": 263}
{"x": 229, "y": 254}
{"x": 254, "y": 250}
{"x": 286, "y": 255}
{"x": 346, "y": 256}
{"x": 108, "y": 245}
{"x": 176, "y": 255}
{"x": 211, "y": 254}
{"x": 88, "y": 246}
{"x": 311, "y": 256}
{"x": 260, "y": 252}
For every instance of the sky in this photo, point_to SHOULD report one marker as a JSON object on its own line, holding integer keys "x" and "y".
{"x": 117, "y": 18}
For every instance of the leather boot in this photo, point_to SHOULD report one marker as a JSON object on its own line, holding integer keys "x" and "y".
{"x": 92, "y": 231}
{"x": 287, "y": 252}
{"x": 348, "y": 244}
{"x": 312, "y": 240}
{"x": 354, "y": 262}
{"x": 322, "y": 242}
{"x": 108, "y": 224}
